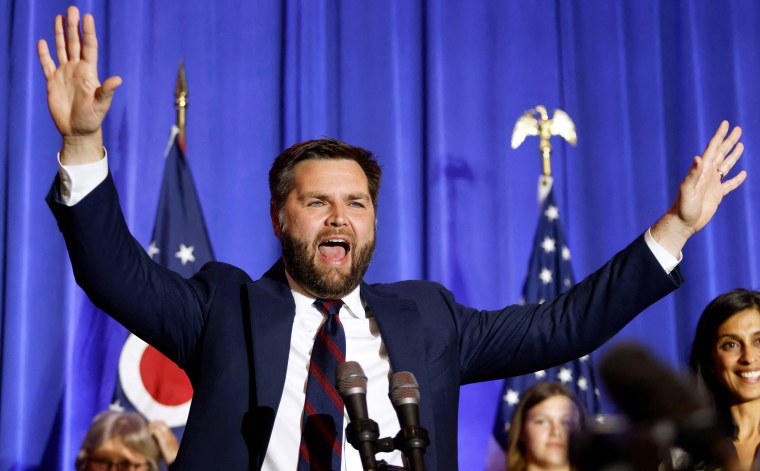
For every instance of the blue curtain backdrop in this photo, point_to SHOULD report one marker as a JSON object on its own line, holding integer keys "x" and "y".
{"x": 434, "y": 89}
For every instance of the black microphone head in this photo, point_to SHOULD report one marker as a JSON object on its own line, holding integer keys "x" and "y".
{"x": 404, "y": 389}
{"x": 350, "y": 379}
{"x": 644, "y": 388}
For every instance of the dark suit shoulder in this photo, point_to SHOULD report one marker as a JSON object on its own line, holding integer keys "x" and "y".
{"x": 407, "y": 286}
{"x": 223, "y": 270}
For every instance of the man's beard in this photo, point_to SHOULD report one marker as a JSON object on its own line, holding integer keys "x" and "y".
{"x": 322, "y": 281}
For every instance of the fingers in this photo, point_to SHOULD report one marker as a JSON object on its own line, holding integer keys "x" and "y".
{"x": 716, "y": 140}
{"x": 156, "y": 426}
{"x": 73, "y": 41}
{"x": 734, "y": 183}
{"x": 60, "y": 40}
{"x": 720, "y": 144}
{"x": 104, "y": 93}
{"x": 48, "y": 66}
{"x": 90, "y": 44}
{"x": 730, "y": 160}
{"x": 729, "y": 142}
{"x": 70, "y": 46}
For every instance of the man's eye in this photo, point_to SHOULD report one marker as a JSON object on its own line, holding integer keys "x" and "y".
{"x": 356, "y": 204}
{"x": 316, "y": 203}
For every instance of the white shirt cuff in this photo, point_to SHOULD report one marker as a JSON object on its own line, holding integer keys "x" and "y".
{"x": 667, "y": 261}
{"x": 77, "y": 181}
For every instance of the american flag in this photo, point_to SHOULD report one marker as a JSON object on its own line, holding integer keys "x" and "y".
{"x": 549, "y": 274}
{"x": 147, "y": 381}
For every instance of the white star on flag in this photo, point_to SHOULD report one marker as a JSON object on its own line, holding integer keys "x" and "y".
{"x": 548, "y": 245}
{"x": 153, "y": 249}
{"x": 551, "y": 213}
{"x": 582, "y": 384}
{"x": 565, "y": 375}
{"x": 512, "y": 397}
{"x": 185, "y": 254}
{"x": 546, "y": 276}
{"x": 565, "y": 253}
{"x": 540, "y": 374}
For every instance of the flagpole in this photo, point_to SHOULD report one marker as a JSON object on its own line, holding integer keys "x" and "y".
{"x": 549, "y": 274}
{"x": 180, "y": 94}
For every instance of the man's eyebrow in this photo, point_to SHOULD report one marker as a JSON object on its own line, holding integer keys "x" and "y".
{"x": 313, "y": 194}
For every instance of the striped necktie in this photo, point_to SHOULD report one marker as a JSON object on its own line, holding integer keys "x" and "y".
{"x": 322, "y": 426}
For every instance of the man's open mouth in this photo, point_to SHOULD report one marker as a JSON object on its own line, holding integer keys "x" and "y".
{"x": 334, "y": 249}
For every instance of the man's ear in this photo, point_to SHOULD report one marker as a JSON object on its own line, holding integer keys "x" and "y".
{"x": 274, "y": 214}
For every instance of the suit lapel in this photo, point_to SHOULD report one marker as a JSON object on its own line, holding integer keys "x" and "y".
{"x": 272, "y": 311}
{"x": 400, "y": 326}
{"x": 402, "y": 330}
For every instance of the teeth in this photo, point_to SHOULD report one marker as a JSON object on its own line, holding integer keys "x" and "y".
{"x": 750, "y": 374}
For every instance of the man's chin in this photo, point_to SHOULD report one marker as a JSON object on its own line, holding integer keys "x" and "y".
{"x": 333, "y": 285}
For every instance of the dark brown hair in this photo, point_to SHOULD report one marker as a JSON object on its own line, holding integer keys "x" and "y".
{"x": 516, "y": 460}
{"x": 281, "y": 175}
{"x": 701, "y": 359}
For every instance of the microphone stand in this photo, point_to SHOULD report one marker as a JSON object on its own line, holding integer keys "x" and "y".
{"x": 360, "y": 433}
{"x": 411, "y": 441}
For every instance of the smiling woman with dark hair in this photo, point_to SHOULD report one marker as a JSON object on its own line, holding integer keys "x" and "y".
{"x": 725, "y": 356}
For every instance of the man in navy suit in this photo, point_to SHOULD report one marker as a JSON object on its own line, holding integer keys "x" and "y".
{"x": 246, "y": 344}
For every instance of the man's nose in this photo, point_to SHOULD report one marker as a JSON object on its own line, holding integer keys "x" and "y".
{"x": 337, "y": 216}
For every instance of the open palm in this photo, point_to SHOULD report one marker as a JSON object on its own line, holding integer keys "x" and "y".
{"x": 703, "y": 189}
{"x": 77, "y": 100}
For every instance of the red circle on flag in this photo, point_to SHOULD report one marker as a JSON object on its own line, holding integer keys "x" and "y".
{"x": 163, "y": 379}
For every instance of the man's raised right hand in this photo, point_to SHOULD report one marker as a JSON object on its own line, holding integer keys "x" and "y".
{"x": 77, "y": 100}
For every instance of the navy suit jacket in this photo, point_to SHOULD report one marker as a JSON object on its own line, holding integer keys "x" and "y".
{"x": 232, "y": 334}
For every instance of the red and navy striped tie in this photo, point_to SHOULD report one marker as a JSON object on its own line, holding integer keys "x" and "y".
{"x": 322, "y": 426}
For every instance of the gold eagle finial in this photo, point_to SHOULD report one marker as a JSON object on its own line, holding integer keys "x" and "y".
{"x": 536, "y": 122}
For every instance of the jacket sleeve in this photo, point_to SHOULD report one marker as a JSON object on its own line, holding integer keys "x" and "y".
{"x": 151, "y": 301}
{"x": 522, "y": 339}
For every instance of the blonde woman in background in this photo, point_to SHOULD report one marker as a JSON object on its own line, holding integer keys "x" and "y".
{"x": 124, "y": 441}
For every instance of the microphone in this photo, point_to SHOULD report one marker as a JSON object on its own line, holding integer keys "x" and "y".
{"x": 411, "y": 439}
{"x": 663, "y": 411}
{"x": 362, "y": 433}
{"x": 645, "y": 389}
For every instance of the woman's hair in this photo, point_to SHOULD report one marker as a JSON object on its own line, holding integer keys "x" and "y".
{"x": 516, "y": 454}
{"x": 701, "y": 359}
{"x": 128, "y": 428}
